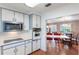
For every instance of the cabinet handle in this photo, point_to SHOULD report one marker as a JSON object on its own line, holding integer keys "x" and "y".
{"x": 15, "y": 50}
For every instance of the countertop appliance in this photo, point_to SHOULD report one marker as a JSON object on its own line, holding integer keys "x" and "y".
{"x": 12, "y": 26}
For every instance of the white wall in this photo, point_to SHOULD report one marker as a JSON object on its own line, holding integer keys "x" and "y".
{"x": 62, "y": 11}
{"x": 43, "y": 35}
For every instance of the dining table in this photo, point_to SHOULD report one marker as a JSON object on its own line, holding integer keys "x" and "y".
{"x": 56, "y": 36}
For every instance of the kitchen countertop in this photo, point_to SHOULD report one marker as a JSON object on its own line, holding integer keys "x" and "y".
{"x": 14, "y": 35}
{"x": 14, "y": 42}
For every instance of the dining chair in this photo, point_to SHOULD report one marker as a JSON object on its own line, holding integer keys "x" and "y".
{"x": 77, "y": 40}
{"x": 49, "y": 42}
{"x": 68, "y": 41}
{"x": 57, "y": 40}
{"x": 48, "y": 38}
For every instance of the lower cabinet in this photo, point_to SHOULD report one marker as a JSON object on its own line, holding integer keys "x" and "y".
{"x": 0, "y": 50}
{"x": 28, "y": 48}
{"x": 20, "y": 50}
{"x": 10, "y": 51}
{"x": 36, "y": 45}
{"x": 17, "y": 50}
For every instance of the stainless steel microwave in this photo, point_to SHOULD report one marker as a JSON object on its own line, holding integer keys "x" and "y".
{"x": 12, "y": 26}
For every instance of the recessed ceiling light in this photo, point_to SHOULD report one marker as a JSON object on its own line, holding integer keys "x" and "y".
{"x": 31, "y": 4}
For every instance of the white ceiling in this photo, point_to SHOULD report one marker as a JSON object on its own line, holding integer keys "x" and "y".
{"x": 21, "y": 7}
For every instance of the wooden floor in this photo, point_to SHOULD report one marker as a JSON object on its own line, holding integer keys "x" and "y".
{"x": 60, "y": 50}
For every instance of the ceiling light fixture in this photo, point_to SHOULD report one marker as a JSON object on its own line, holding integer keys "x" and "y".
{"x": 31, "y": 4}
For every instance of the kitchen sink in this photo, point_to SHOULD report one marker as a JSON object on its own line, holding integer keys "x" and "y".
{"x": 12, "y": 40}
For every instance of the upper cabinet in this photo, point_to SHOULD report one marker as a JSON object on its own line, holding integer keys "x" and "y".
{"x": 26, "y": 22}
{"x": 38, "y": 21}
{"x": 35, "y": 21}
{"x": 7, "y": 15}
{"x": 11, "y": 16}
{"x": 18, "y": 17}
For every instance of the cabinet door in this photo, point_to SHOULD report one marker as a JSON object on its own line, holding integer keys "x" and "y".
{"x": 7, "y": 15}
{"x": 38, "y": 21}
{"x": 18, "y": 17}
{"x": 9, "y": 51}
{"x": 34, "y": 45}
{"x": 1, "y": 26}
{"x": 38, "y": 44}
{"x": 20, "y": 50}
{"x": 0, "y": 50}
{"x": 26, "y": 22}
{"x": 28, "y": 48}
{"x": 33, "y": 21}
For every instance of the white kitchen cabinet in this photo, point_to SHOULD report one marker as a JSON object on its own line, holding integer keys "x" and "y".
{"x": 38, "y": 21}
{"x": 20, "y": 50}
{"x": 7, "y": 15}
{"x": 32, "y": 21}
{"x": 10, "y": 51}
{"x": 18, "y": 17}
{"x": 1, "y": 26}
{"x": 11, "y": 16}
{"x": 36, "y": 45}
{"x": 26, "y": 22}
{"x": 35, "y": 20}
{"x": 0, "y": 50}
{"x": 28, "y": 47}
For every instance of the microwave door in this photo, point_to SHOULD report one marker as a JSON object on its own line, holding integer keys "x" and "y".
{"x": 12, "y": 26}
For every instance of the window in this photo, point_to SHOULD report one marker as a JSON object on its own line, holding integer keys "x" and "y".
{"x": 65, "y": 28}
{"x": 52, "y": 28}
